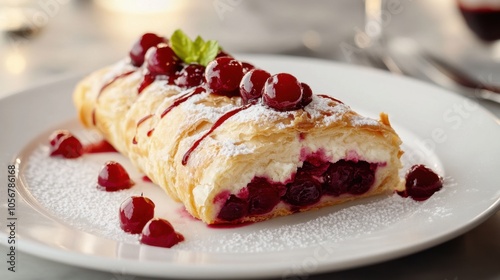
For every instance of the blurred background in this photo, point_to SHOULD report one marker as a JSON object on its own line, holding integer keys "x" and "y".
{"x": 44, "y": 39}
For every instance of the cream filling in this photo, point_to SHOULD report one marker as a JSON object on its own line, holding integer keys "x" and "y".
{"x": 279, "y": 166}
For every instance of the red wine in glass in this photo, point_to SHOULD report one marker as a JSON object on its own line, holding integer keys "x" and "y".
{"x": 482, "y": 17}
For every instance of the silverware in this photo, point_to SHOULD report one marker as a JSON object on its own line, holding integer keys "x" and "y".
{"x": 382, "y": 61}
{"x": 458, "y": 75}
{"x": 435, "y": 70}
{"x": 474, "y": 86}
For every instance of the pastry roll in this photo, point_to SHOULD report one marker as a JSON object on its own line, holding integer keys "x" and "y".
{"x": 265, "y": 148}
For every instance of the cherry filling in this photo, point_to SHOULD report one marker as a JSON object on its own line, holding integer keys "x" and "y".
{"x": 262, "y": 196}
{"x": 304, "y": 190}
{"x": 349, "y": 177}
{"x": 312, "y": 181}
{"x": 234, "y": 208}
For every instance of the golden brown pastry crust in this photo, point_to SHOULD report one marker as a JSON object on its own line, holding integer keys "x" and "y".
{"x": 257, "y": 141}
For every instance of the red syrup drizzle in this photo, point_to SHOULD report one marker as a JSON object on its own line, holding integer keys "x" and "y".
{"x": 219, "y": 122}
{"x": 134, "y": 140}
{"x": 123, "y": 75}
{"x": 182, "y": 99}
{"x": 146, "y": 81}
{"x": 177, "y": 102}
{"x": 329, "y": 97}
{"x": 146, "y": 179}
{"x": 107, "y": 85}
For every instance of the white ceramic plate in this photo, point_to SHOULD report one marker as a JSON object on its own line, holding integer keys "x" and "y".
{"x": 62, "y": 217}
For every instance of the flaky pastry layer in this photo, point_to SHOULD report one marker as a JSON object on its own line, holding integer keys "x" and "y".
{"x": 256, "y": 142}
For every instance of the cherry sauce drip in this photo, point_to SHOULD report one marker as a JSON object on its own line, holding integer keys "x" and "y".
{"x": 329, "y": 97}
{"x": 218, "y": 123}
{"x": 94, "y": 122}
{"x": 102, "y": 146}
{"x": 134, "y": 140}
{"x": 147, "y": 80}
{"x": 177, "y": 102}
{"x": 182, "y": 99}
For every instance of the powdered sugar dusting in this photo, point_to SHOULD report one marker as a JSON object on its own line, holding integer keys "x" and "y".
{"x": 321, "y": 108}
{"x": 336, "y": 224}
{"x": 363, "y": 121}
{"x": 260, "y": 114}
{"x": 66, "y": 190}
{"x": 230, "y": 148}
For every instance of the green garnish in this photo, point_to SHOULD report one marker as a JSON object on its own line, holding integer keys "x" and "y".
{"x": 197, "y": 51}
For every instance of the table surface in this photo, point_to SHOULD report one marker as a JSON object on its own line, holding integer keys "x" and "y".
{"x": 80, "y": 36}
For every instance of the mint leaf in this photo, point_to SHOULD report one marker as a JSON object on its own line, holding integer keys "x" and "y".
{"x": 209, "y": 52}
{"x": 198, "y": 45}
{"x": 191, "y": 58}
{"x": 183, "y": 46}
{"x": 197, "y": 51}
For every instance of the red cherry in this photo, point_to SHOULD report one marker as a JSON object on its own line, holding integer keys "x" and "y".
{"x": 306, "y": 94}
{"x": 135, "y": 212}
{"x": 113, "y": 177}
{"x": 282, "y": 92}
{"x": 140, "y": 47}
{"x": 223, "y": 54}
{"x": 57, "y": 135}
{"x": 159, "y": 232}
{"x": 162, "y": 61}
{"x": 421, "y": 183}
{"x": 252, "y": 83}
{"x": 223, "y": 75}
{"x": 247, "y": 67}
{"x": 191, "y": 76}
{"x": 63, "y": 143}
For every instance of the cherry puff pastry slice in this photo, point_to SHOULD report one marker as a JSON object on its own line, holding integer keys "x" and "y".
{"x": 234, "y": 143}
